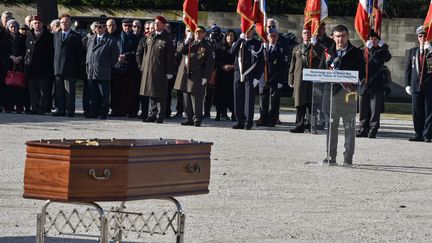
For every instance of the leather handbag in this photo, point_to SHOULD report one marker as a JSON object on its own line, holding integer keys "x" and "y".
{"x": 16, "y": 78}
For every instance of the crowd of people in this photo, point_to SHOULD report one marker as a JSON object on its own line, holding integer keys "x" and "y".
{"x": 132, "y": 72}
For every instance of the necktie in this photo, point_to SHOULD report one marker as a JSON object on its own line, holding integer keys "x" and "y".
{"x": 64, "y": 36}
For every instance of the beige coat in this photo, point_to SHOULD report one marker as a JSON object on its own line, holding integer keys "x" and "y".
{"x": 201, "y": 63}
{"x": 158, "y": 61}
{"x": 300, "y": 59}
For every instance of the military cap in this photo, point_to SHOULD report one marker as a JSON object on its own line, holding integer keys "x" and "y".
{"x": 126, "y": 21}
{"x": 420, "y": 30}
{"x": 161, "y": 19}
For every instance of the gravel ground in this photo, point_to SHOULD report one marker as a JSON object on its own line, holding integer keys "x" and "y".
{"x": 264, "y": 184}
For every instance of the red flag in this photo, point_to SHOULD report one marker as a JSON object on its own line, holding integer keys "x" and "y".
{"x": 361, "y": 21}
{"x": 244, "y": 8}
{"x": 190, "y": 14}
{"x": 260, "y": 18}
{"x": 377, "y": 12}
{"x": 312, "y": 15}
{"x": 427, "y": 23}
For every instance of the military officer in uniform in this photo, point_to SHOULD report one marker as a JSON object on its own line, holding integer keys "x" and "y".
{"x": 193, "y": 73}
{"x": 248, "y": 68}
{"x": 418, "y": 81}
{"x": 270, "y": 93}
{"x": 157, "y": 68}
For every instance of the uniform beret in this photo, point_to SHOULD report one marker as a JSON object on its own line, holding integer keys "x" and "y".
{"x": 37, "y": 17}
{"x": 161, "y": 19}
{"x": 420, "y": 30}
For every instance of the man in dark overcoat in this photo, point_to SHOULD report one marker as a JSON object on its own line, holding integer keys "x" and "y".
{"x": 342, "y": 56}
{"x": 157, "y": 68}
{"x": 248, "y": 68}
{"x": 39, "y": 66}
{"x": 68, "y": 54}
{"x": 418, "y": 81}
{"x": 304, "y": 55}
{"x": 372, "y": 89}
{"x": 193, "y": 73}
{"x": 102, "y": 55}
{"x": 125, "y": 80}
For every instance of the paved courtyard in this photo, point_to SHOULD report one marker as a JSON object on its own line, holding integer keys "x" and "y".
{"x": 264, "y": 184}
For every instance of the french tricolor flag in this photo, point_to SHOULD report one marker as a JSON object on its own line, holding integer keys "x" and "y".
{"x": 378, "y": 6}
{"x": 361, "y": 21}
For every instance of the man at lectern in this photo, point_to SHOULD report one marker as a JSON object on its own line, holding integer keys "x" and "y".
{"x": 342, "y": 56}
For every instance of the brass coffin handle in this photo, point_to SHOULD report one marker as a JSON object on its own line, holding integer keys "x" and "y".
{"x": 195, "y": 169}
{"x": 107, "y": 174}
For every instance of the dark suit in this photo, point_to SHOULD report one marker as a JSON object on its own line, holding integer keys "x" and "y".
{"x": 39, "y": 69}
{"x": 100, "y": 60}
{"x": 125, "y": 81}
{"x": 68, "y": 53}
{"x": 270, "y": 93}
{"x": 250, "y": 68}
{"x": 421, "y": 91}
{"x": 344, "y": 99}
{"x": 372, "y": 90}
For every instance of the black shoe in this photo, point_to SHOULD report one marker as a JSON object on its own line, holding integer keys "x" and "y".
{"x": 132, "y": 115}
{"x": 330, "y": 162}
{"x": 233, "y": 118}
{"x": 271, "y": 124}
{"x": 206, "y": 115}
{"x": 361, "y": 134}
{"x": 261, "y": 122}
{"x": 116, "y": 114}
{"x": 57, "y": 113}
{"x": 178, "y": 115}
{"x": 297, "y": 130}
{"x": 372, "y": 135}
{"x": 278, "y": 122}
{"x": 187, "y": 123}
{"x": 91, "y": 115}
{"x": 238, "y": 126}
{"x": 103, "y": 117}
{"x": 217, "y": 118}
{"x": 249, "y": 125}
{"x": 159, "y": 120}
{"x": 197, "y": 124}
{"x": 42, "y": 112}
{"x": 150, "y": 119}
{"x": 70, "y": 114}
{"x": 427, "y": 140}
{"x": 416, "y": 139}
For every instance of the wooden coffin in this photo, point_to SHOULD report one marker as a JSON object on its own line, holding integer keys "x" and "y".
{"x": 115, "y": 169}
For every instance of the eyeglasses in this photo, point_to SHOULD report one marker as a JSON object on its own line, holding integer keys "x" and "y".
{"x": 421, "y": 36}
{"x": 98, "y": 26}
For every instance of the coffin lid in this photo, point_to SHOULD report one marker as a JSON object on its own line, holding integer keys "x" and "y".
{"x": 112, "y": 143}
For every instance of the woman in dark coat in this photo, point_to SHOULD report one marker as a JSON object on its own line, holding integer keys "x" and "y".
{"x": 224, "y": 91}
{"x": 15, "y": 96}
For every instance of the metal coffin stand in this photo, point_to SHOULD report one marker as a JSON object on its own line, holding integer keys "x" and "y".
{"x": 113, "y": 224}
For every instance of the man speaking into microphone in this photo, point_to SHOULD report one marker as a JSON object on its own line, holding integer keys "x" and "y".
{"x": 342, "y": 56}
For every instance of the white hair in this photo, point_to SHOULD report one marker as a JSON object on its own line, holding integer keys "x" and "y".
{"x": 273, "y": 21}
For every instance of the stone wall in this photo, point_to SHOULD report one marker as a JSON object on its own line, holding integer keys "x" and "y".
{"x": 399, "y": 34}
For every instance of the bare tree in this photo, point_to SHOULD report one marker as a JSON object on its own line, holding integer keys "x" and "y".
{"x": 47, "y": 9}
